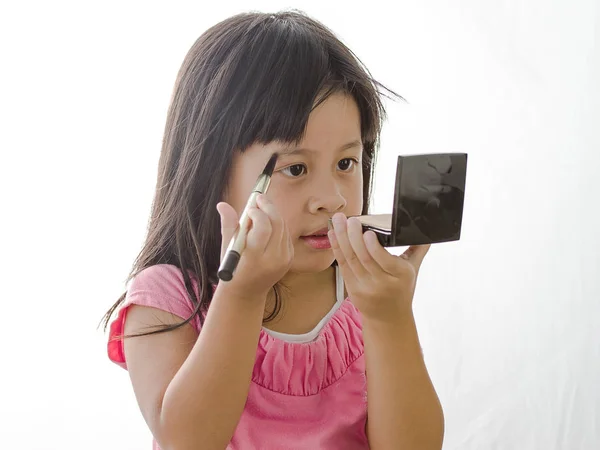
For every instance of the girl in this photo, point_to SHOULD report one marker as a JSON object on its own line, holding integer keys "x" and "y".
{"x": 312, "y": 344}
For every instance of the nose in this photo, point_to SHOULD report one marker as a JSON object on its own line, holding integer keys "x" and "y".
{"x": 326, "y": 197}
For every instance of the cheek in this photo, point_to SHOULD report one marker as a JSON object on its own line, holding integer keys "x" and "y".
{"x": 238, "y": 191}
{"x": 355, "y": 201}
{"x": 288, "y": 208}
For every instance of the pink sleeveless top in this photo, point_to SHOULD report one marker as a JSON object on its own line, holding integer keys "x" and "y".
{"x": 303, "y": 395}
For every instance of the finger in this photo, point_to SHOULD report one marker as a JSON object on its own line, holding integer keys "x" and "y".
{"x": 415, "y": 255}
{"x": 388, "y": 262}
{"x": 229, "y": 224}
{"x": 347, "y": 273}
{"x": 260, "y": 231}
{"x": 277, "y": 224}
{"x": 356, "y": 237}
{"x": 229, "y": 218}
{"x": 286, "y": 241}
{"x": 343, "y": 240}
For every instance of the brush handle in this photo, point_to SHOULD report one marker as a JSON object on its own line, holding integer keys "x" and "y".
{"x": 238, "y": 243}
{"x": 228, "y": 265}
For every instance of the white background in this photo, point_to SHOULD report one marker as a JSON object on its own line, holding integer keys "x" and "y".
{"x": 508, "y": 316}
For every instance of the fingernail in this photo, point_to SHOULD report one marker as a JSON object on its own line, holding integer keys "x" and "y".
{"x": 338, "y": 221}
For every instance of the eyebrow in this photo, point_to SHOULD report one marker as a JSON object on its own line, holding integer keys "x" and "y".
{"x": 287, "y": 151}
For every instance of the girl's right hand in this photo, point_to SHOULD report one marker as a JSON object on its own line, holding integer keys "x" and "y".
{"x": 269, "y": 251}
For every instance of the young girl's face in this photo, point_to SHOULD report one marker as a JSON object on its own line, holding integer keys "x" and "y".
{"x": 312, "y": 181}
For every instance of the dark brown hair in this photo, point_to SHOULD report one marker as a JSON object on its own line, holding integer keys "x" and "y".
{"x": 252, "y": 78}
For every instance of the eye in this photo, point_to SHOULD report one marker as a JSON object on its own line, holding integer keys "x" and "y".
{"x": 350, "y": 163}
{"x": 293, "y": 173}
{"x": 297, "y": 170}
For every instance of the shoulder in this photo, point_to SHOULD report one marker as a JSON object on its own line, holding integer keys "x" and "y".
{"x": 166, "y": 278}
{"x": 156, "y": 294}
{"x": 162, "y": 286}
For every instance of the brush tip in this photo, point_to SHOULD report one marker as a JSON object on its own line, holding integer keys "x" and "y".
{"x": 271, "y": 165}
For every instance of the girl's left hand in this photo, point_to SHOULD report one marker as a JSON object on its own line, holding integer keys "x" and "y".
{"x": 379, "y": 284}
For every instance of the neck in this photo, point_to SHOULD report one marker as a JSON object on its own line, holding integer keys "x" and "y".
{"x": 301, "y": 290}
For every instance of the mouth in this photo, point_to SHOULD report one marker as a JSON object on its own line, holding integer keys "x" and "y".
{"x": 319, "y": 233}
{"x": 318, "y": 240}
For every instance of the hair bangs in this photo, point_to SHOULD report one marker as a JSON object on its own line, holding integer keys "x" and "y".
{"x": 286, "y": 70}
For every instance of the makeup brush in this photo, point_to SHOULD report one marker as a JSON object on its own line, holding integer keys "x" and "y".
{"x": 238, "y": 241}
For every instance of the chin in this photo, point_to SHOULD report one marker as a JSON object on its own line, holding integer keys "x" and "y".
{"x": 312, "y": 263}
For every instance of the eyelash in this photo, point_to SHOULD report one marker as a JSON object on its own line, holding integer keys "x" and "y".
{"x": 354, "y": 160}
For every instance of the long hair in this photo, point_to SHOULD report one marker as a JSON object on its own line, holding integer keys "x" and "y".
{"x": 252, "y": 78}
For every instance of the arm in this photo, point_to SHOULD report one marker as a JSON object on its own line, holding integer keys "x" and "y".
{"x": 404, "y": 411}
{"x": 192, "y": 389}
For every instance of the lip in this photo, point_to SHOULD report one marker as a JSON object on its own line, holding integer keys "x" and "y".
{"x": 321, "y": 232}
{"x": 317, "y": 242}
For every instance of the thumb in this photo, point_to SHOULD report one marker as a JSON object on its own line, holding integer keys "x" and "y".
{"x": 415, "y": 255}
{"x": 229, "y": 223}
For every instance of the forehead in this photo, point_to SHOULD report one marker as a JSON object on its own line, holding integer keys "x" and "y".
{"x": 293, "y": 150}
{"x": 333, "y": 125}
